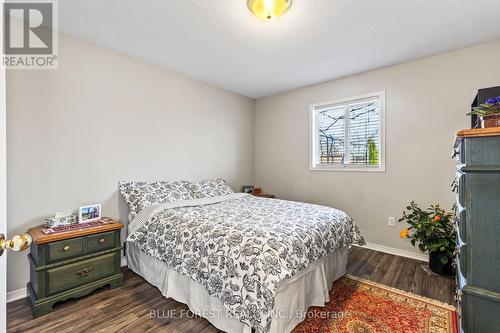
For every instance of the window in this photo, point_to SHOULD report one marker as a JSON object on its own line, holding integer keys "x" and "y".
{"x": 348, "y": 134}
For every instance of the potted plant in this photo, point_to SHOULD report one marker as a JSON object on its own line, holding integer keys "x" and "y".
{"x": 433, "y": 230}
{"x": 489, "y": 112}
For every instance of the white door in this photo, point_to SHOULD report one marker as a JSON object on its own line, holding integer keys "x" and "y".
{"x": 16, "y": 243}
{"x": 3, "y": 205}
{"x": 3, "y": 185}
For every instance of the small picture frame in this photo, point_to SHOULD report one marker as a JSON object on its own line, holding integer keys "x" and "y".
{"x": 247, "y": 188}
{"x": 89, "y": 213}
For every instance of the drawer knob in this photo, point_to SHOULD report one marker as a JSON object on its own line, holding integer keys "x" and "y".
{"x": 66, "y": 248}
{"x": 101, "y": 240}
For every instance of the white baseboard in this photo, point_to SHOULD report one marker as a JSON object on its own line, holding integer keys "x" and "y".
{"x": 21, "y": 293}
{"x": 16, "y": 294}
{"x": 397, "y": 252}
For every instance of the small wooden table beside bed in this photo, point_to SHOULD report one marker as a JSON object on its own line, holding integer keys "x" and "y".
{"x": 245, "y": 263}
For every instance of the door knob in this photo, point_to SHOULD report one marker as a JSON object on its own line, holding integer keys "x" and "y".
{"x": 17, "y": 243}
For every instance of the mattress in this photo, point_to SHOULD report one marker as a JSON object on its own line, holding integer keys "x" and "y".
{"x": 309, "y": 287}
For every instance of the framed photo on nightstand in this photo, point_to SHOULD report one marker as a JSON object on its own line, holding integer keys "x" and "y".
{"x": 89, "y": 213}
{"x": 247, "y": 188}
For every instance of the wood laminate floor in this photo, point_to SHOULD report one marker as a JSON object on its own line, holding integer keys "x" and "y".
{"x": 128, "y": 308}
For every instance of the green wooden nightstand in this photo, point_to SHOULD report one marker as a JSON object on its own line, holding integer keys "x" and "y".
{"x": 72, "y": 264}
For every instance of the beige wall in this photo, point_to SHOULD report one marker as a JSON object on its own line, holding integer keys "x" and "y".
{"x": 426, "y": 102}
{"x": 73, "y": 133}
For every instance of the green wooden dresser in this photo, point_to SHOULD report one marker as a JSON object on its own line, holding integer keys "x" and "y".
{"x": 72, "y": 264}
{"x": 478, "y": 230}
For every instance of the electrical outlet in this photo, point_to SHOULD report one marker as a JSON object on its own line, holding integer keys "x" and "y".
{"x": 392, "y": 221}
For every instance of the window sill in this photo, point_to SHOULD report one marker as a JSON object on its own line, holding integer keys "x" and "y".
{"x": 348, "y": 169}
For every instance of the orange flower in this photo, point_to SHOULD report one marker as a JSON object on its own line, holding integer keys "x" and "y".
{"x": 404, "y": 233}
{"x": 437, "y": 218}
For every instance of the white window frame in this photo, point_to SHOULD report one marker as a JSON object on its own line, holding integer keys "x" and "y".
{"x": 347, "y": 167}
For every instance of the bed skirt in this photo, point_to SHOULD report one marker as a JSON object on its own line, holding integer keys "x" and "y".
{"x": 295, "y": 295}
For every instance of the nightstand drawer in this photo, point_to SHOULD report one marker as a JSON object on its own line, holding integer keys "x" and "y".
{"x": 100, "y": 242}
{"x": 80, "y": 273}
{"x": 65, "y": 249}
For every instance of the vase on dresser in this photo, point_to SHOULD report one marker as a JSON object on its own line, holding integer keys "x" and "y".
{"x": 492, "y": 120}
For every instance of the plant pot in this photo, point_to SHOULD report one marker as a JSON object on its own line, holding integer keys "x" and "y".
{"x": 437, "y": 266}
{"x": 491, "y": 120}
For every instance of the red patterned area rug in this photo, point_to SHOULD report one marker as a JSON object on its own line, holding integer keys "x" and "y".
{"x": 360, "y": 306}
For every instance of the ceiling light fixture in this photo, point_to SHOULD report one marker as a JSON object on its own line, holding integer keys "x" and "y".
{"x": 269, "y": 10}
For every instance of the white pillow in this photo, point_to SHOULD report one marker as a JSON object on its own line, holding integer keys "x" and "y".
{"x": 139, "y": 195}
{"x": 210, "y": 188}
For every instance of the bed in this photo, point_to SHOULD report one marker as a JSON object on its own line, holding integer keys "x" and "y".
{"x": 245, "y": 263}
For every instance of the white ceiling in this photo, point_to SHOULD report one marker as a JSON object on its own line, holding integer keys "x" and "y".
{"x": 221, "y": 43}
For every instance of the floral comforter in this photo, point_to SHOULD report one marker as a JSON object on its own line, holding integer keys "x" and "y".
{"x": 240, "y": 247}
